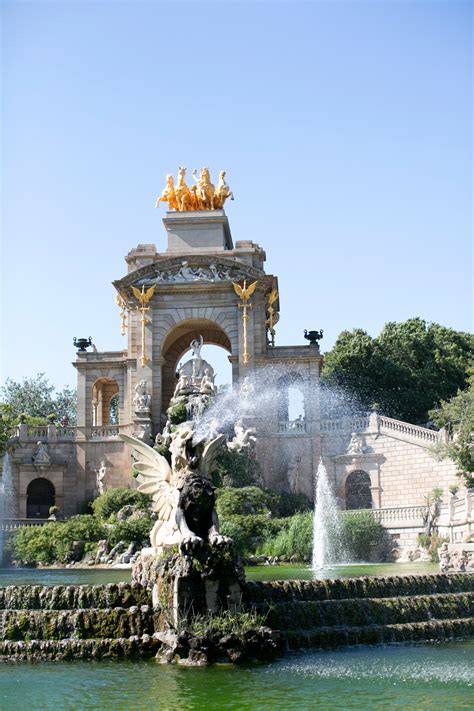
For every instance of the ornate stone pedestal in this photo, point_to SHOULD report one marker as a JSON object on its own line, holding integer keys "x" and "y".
{"x": 205, "y": 580}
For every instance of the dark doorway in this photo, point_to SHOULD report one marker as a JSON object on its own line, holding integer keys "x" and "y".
{"x": 40, "y": 496}
{"x": 358, "y": 493}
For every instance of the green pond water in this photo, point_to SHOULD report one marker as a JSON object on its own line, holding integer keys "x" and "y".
{"x": 418, "y": 677}
{"x": 91, "y": 576}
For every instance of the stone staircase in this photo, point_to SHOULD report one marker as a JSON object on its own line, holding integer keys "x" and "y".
{"x": 76, "y": 622}
{"x": 330, "y": 613}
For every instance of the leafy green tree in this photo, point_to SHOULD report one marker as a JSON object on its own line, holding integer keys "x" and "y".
{"x": 37, "y": 397}
{"x": 408, "y": 369}
{"x": 457, "y": 416}
{"x": 7, "y": 421}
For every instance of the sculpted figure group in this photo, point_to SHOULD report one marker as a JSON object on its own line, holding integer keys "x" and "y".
{"x": 202, "y": 196}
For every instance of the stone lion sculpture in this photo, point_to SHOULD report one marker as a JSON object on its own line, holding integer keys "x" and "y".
{"x": 182, "y": 492}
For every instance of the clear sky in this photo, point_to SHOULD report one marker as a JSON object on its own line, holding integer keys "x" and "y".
{"x": 344, "y": 127}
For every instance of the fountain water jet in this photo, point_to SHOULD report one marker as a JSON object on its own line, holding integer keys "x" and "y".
{"x": 327, "y": 528}
{"x": 6, "y": 500}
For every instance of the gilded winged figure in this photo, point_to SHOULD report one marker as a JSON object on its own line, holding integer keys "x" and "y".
{"x": 245, "y": 292}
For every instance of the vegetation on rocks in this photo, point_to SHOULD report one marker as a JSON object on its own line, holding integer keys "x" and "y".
{"x": 110, "y": 503}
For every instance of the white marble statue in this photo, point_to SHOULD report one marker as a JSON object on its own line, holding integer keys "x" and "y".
{"x": 41, "y": 456}
{"x": 101, "y": 474}
{"x": 245, "y": 438}
{"x": 141, "y": 399}
{"x": 356, "y": 444}
{"x": 292, "y": 474}
{"x": 207, "y": 382}
{"x": 196, "y": 375}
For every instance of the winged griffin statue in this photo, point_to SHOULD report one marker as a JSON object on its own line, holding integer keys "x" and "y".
{"x": 182, "y": 493}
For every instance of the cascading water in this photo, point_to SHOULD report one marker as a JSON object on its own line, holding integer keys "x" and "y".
{"x": 6, "y": 499}
{"x": 327, "y": 528}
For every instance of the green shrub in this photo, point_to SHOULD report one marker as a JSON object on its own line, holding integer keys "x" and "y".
{"x": 177, "y": 413}
{"x": 54, "y": 542}
{"x": 248, "y": 532}
{"x": 236, "y": 469}
{"x": 248, "y": 500}
{"x": 35, "y": 545}
{"x": 432, "y": 544}
{"x": 361, "y": 533}
{"x": 290, "y": 503}
{"x": 135, "y": 530}
{"x": 112, "y": 501}
{"x": 294, "y": 539}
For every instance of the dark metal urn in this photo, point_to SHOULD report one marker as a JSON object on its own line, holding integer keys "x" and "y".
{"x": 82, "y": 344}
{"x": 313, "y": 336}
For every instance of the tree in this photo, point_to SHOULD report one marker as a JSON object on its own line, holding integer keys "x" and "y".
{"x": 408, "y": 369}
{"x": 7, "y": 421}
{"x": 37, "y": 398}
{"x": 457, "y": 416}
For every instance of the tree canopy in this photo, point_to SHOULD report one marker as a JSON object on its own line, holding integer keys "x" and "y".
{"x": 408, "y": 369}
{"x": 457, "y": 415}
{"x": 37, "y": 398}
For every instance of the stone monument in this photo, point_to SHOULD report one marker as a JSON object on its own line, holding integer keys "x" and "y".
{"x": 190, "y": 566}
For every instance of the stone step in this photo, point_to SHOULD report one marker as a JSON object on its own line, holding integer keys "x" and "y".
{"x": 98, "y": 623}
{"x": 330, "y": 637}
{"x": 76, "y": 649}
{"x": 350, "y": 588}
{"x": 361, "y": 612}
{"x": 67, "y": 597}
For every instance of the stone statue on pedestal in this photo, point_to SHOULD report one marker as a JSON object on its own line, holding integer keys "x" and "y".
{"x": 141, "y": 399}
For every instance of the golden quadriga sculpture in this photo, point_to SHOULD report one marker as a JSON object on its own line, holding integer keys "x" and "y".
{"x": 201, "y": 196}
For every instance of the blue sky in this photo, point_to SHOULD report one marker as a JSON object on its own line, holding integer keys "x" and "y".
{"x": 344, "y": 127}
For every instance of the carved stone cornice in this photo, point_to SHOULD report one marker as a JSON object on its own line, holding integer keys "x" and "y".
{"x": 183, "y": 272}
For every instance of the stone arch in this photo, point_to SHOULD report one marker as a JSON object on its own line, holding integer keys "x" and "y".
{"x": 40, "y": 496}
{"x": 104, "y": 390}
{"x": 291, "y": 392}
{"x": 177, "y": 342}
{"x": 357, "y": 488}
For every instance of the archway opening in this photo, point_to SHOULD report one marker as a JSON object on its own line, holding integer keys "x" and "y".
{"x": 291, "y": 403}
{"x": 105, "y": 402}
{"x": 40, "y": 496}
{"x": 176, "y": 349}
{"x": 358, "y": 493}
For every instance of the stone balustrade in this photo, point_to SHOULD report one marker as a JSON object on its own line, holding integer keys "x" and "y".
{"x": 11, "y": 524}
{"x": 291, "y": 427}
{"x": 105, "y": 432}
{"x": 407, "y": 430}
{"x": 397, "y": 516}
{"x": 345, "y": 424}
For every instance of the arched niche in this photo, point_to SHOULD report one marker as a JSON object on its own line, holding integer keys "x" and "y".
{"x": 103, "y": 392}
{"x": 40, "y": 496}
{"x": 177, "y": 343}
{"x": 358, "y": 493}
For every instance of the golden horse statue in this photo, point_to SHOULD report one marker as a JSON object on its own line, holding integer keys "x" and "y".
{"x": 222, "y": 192}
{"x": 202, "y": 196}
{"x": 168, "y": 195}
{"x": 204, "y": 190}
{"x": 186, "y": 199}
